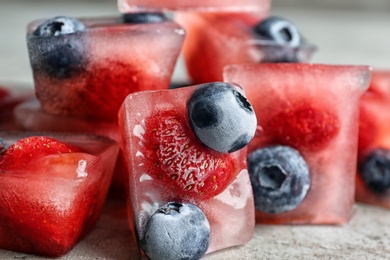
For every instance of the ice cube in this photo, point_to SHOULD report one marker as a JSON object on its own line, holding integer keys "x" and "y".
{"x": 372, "y": 180}
{"x": 230, "y": 213}
{"x": 47, "y": 206}
{"x": 314, "y": 109}
{"x": 89, "y": 72}
{"x": 216, "y": 40}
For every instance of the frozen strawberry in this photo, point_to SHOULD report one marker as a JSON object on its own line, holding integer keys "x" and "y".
{"x": 55, "y": 199}
{"x": 216, "y": 40}
{"x": 170, "y": 156}
{"x": 87, "y": 67}
{"x": 373, "y": 178}
{"x": 180, "y": 161}
{"x": 131, "y": 6}
{"x": 301, "y": 166}
{"x": 20, "y": 154}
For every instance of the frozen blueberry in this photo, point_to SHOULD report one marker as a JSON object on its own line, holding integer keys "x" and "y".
{"x": 176, "y": 231}
{"x": 58, "y": 58}
{"x": 59, "y": 25}
{"x": 279, "y": 30}
{"x": 284, "y": 40}
{"x": 144, "y": 18}
{"x": 375, "y": 170}
{"x": 221, "y": 117}
{"x": 280, "y": 178}
{"x": 56, "y": 49}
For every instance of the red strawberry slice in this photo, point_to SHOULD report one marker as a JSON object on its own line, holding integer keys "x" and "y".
{"x": 29, "y": 149}
{"x": 180, "y": 161}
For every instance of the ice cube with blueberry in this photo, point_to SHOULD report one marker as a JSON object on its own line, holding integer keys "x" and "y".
{"x": 302, "y": 167}
{"x": 188, "y": 145}
{"x": 373, "y": 168}
{"x": 216, "y": 40}
{"x": 86, "y": 67}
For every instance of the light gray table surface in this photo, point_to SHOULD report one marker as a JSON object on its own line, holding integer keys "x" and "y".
{"x": 343, "y": 37}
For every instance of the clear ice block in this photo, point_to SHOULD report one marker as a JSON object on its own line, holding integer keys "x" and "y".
{"x": 49, "y": 205}
{"x": 314, "y": 109}
{"x": 374, "y": 133}
{"x": 216, "y": 40}
{"x": 88, "y": 73}
{"x": 230, "y": 213}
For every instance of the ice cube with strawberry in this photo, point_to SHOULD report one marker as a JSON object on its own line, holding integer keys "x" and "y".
{"x": 216, "y": 40}
{"x": 52, "y": 189}
{"x": 187, "y": 147}
{"x": 302, "y": 167}
{"x": 373, "y": 178}
{"x": 86, "y": 67}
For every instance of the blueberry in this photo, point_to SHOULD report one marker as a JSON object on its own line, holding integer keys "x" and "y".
{"x": 279, "y": 30}
{"x": 59, "y": 25}
{"x": 58, "y": 58}
{"x": 280, "y": 178}
{"x": 283, "y": 40}
{"x": 375, "y": 170}
{"x": 144, "y": 18}
{"x": 176, "y": 231}
{"x": 62, "y": 54}
{"x": 221, "y": 117}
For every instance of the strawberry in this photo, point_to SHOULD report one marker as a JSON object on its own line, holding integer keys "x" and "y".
{"x": 20, "y": 154}
{"x": 89, "y": 76}
{"x": 107, "y": 87}
{"x": 302, "y": 126}
{"x": 312, "y": 109}
{"x": 180, "y": 161}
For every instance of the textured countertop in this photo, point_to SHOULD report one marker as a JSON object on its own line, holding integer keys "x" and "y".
{"x": 353, "y": 37}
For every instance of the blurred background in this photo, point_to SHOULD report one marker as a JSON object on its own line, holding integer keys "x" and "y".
{"x": 346, "y": 32}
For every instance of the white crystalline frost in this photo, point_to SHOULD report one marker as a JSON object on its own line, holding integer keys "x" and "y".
{"x": 145, "y": 177}
{"x": 81, "y": 167}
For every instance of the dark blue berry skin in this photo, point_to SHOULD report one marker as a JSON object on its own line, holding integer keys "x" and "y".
{"x": 56, "y": 50}
{"x": 59, "y": 25}
{"x": 282, "y": 40}
{"x": 176, "y": 231}
{"x": 280, "y": 178}
{"x": 375, "y": 170}
{"x": 221, "y": 117}
{"x": 137, "y": 18}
